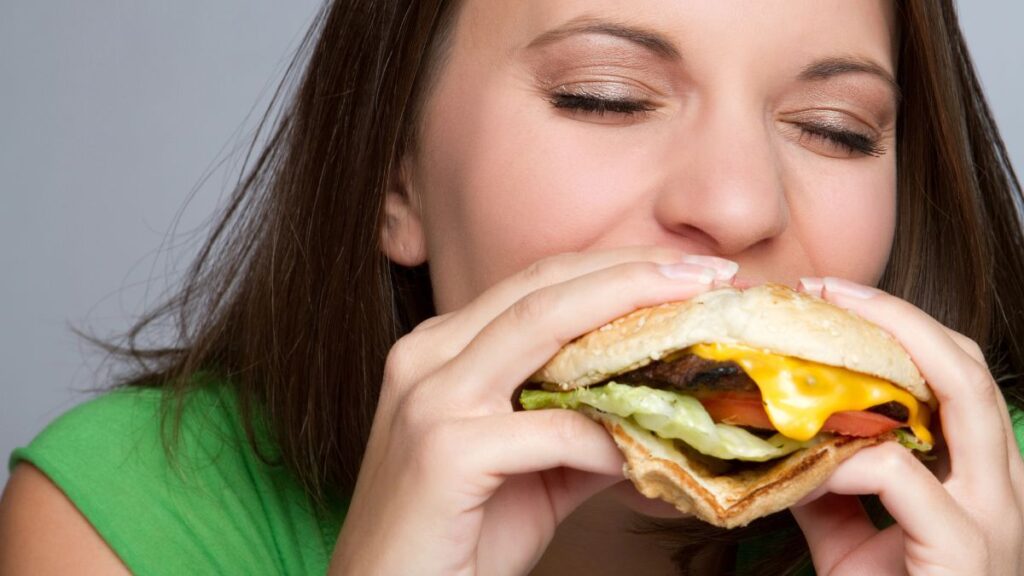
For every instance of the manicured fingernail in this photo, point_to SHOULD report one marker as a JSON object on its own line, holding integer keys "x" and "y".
{"x": 846, "y": 288}
{"x": 811, "y": 286}
{"x": 724, "y": 269}
{"x": 689, "y": 272}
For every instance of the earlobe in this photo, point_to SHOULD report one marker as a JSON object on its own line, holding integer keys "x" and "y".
{"x": 402, "y": 235}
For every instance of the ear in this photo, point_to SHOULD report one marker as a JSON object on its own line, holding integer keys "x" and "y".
{"x": 402, "y": 236}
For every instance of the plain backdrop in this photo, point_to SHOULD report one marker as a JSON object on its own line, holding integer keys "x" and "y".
{"x": 111, "y": 114}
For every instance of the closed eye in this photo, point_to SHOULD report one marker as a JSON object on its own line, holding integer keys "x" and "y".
{"x": 599, "y": 106}
{"x": 847, "y": 141}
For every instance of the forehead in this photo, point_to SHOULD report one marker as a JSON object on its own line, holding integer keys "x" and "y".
{"x": 709, "y": 34}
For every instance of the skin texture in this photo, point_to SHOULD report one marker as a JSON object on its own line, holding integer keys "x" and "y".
{"x": 36, "y": 519}
{"x": 721, "y": 164}
{"x": 501, "y": 178}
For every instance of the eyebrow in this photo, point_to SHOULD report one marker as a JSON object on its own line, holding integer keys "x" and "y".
{"x": 659, "y": 44}
{"x": 649, "y": 39}
{"x": 831, "y": 67}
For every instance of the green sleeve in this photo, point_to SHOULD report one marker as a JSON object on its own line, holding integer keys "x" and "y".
{"x": 1017, "y": 417}
{"x": 209, "y": 506}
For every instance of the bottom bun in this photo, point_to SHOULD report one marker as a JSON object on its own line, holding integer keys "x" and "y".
{"x": 659, "y": 470}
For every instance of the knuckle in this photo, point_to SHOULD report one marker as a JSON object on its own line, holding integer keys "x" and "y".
{"x": 421, "y": 423}
{"x": 895, "y": 461}
{"x": 972, "y": 349}
{"x": 566, "y": 426}
{"x": 410, "y": 415}
{"x": 541, "y": 271}
{"x": 531, "y": 308}
{"x": 979, "y": 383}
{"x": 632, "y": 281}
{"x": 430, "y": 323}
{"x": 398, "y": 366}
{"x": 640, "y": 273}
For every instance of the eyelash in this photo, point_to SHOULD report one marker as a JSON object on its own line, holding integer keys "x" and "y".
{"x": 598, "y": 105}
{"x": 847, "y": 140}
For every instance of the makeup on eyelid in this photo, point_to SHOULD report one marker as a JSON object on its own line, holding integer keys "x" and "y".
{"x": 609, "y": 81}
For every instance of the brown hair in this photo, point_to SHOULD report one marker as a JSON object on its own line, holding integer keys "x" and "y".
{"x": 292, "y": 301}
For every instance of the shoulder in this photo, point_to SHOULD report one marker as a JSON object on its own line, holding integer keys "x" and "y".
{"x": 36, "y": 519}
{"x": 178, "y": 492}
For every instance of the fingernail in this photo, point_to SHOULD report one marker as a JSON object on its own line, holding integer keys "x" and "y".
{"x": 688, "y": 272}
{"x": 834, "y": 285}
{"x": 724, "y": 269}
{"x": 811, "y": 285}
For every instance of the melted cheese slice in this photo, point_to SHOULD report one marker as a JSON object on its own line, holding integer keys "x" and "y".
{"x": 800, "y": 395}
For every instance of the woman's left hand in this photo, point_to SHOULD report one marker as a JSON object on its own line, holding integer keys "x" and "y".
{"x": 971, "y": 521}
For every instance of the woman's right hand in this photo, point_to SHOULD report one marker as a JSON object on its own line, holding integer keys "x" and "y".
{"x": 452, "y": 480}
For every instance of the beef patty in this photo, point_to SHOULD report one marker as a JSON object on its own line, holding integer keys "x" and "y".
{"x": 690, "y": 374}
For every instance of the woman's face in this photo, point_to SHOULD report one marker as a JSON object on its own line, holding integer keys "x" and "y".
{"x": 763, "y": 134}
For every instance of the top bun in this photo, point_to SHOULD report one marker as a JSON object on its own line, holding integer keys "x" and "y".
{"x": 768, "y": 317}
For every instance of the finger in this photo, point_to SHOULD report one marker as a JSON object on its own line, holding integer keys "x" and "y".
{"x": 526, "y": 335}
{"x": 833, "y": 525}
{"x": 462, "y": 325}
{"x": 566, "y": 489}
{"x": 837, "y": 528}
{"x": 432, "y": 322}
{"x": 523, "y": 442}
{"x": 812, "y": 286}
{"x": 965, "y": 390}
{"x": 915, "y": 499}
{"x": 1014, "y": 460}
{"x": 922, "y": 507}
{"x": 1013, "y": 452}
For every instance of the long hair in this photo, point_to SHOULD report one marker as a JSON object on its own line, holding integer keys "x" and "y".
{"x": 292, "y": 302}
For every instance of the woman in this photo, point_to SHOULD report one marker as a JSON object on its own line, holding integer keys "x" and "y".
{"x": 556, "y": 164}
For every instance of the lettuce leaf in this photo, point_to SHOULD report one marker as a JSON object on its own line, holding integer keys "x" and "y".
{"x": 908, "y": 440}
{"x": 670, "y": 415}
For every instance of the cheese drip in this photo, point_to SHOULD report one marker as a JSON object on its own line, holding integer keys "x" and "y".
{"x": 800, "y": 395}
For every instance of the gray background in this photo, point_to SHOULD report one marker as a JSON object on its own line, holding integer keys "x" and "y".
{"x": 111, "y": 113}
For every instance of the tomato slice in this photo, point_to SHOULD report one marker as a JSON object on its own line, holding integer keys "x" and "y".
{"x": 746, "y": 409}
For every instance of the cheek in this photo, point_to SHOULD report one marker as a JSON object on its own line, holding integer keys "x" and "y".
{"x": 846, "y": 217}
{"x": 514, "y": 182}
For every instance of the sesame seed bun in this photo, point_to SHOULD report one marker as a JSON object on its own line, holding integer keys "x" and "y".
{"x": 770, "y": 318}
{"x": 767, "y": 317}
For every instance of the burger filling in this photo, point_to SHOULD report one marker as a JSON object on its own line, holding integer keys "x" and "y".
{"x": 737, "y": 403}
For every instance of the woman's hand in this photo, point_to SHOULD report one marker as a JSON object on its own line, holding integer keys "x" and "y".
{"x": 971, "y": 521}
{"x": 453, "y": 481}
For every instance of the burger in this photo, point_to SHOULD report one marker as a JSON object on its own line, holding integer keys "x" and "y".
{"x": 738, "y": 403}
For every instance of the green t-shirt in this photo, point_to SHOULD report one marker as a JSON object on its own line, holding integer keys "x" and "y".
{"x": 215, "y": 508}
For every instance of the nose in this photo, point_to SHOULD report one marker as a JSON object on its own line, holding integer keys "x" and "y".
{"x": 723, "y": 186}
